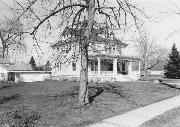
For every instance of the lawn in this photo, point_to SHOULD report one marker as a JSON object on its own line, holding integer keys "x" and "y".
{"x": 53, "y": 103}
{"x": 170, "y": 118}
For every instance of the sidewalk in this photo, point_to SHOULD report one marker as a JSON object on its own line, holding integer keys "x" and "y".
{"x": 139, "y": 116}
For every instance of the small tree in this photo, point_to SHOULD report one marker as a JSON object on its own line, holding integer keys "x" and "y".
{"x": 33, "y": 63}
{"x": 172, "y": 68}
{"x": 47, "y": 66}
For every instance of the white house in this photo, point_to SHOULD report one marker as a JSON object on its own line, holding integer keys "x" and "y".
{"x": 107, "y": 61}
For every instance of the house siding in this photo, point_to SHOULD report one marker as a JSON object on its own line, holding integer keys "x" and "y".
{"x": 107, "y": 72}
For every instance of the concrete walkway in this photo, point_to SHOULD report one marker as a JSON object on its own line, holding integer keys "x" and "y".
{"x": 137, "y": 117}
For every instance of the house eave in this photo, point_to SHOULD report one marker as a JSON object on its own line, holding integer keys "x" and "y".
{"x": 26, "y": 71}
{"x": 93, "y": 40}
{"x": 120, "y": 57}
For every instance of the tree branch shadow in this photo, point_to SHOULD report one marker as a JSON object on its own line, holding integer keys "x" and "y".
{"x": 96, "y": 91}
{"x": 9, "y": 98}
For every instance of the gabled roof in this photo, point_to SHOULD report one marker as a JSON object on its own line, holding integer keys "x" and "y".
{"x": 65, "y": 42}
{"x": 20, "y": 67}
{"x": 96, "y": 39}
{"x": 4, "y": 61}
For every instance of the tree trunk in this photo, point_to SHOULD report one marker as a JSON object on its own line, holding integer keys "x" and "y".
{"x": 3, "y": 46}
{"x": 3, "y": 51}
{"x": 144, "y": 69}
{"x": 83, "y": 91}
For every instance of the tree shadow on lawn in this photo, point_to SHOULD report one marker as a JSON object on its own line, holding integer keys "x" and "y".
{"x": 4, "y": 85}
{"x": 9, "y": 98}
{"x": 96, "y": 91}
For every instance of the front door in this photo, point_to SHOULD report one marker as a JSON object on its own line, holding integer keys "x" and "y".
{"x": 11, "y": 76}
{"x": 122, "y": 67}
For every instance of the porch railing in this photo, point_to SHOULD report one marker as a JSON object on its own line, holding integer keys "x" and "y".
{"x": 101, "y": 72}
{"x": 93, "y": 72}
{"x": 106, "y": 72}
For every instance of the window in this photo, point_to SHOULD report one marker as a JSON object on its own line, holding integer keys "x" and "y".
{"x": 93, "y": 64}
{"x": 59, "y": 66}
{"x": 106, "y": 48}
{"x": 74, "y": 66}
{"x": 2, "y": 75}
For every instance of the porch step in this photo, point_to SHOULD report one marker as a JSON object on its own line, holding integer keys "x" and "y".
{"x": 124, "y": 78}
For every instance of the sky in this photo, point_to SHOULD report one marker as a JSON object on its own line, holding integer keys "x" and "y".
{"x": 164, "y": 25}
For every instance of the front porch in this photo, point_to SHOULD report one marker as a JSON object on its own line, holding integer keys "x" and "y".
{"x": 113, "y": 68}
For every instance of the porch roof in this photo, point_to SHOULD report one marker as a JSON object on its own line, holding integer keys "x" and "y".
{"x": 96, "y": 39}
{"x": 118, "y": 57}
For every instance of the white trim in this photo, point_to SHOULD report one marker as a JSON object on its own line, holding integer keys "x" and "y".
{"x": 115, "y": 66}
{"x": 99, "y": 66}
{"x": 32, "y": 71}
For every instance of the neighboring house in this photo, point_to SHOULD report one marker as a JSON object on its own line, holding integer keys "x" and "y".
{"x": 157, "y": 69}
{"x": 25, "y": 73}
{"x": 106, "y": 61}
{"x": 4, "y": 64}
{"x": 156, "y": 72}
{"x": 21, "y": 72}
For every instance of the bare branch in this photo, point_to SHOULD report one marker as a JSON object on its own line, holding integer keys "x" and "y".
{"x": 54, "y": 13}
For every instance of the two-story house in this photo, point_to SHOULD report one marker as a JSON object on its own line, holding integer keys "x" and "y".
{"x": 106, "y": 61}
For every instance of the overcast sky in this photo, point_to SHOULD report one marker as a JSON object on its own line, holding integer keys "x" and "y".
{"x": 165, "y": 24}
{"x": 165, "y": 27}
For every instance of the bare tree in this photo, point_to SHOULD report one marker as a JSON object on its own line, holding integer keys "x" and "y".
{"x": 11, "y": 36}
{"x": 150, "y": 51}
{"x": 45, "y": 18}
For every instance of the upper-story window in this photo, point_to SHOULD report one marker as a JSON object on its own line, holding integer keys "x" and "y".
{"x": 73, "y": 66}
{"x": 109, "y": 48}
{"x": 58, "y": 66}
{"x": 119, "y": 49}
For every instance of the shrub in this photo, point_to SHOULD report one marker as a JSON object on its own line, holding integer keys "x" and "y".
{"x": 20, "y": 118}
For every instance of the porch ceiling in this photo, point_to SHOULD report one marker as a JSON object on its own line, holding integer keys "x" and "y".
{"x": 118, "y": 57}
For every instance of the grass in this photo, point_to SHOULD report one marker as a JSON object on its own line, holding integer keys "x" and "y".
{"x": 170, "y": 118}
{"x": 54, "y": 102}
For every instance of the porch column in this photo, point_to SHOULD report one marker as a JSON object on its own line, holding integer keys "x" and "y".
{"x": 140, "y": 66}
{"x": 130, "y": 67}
{"x": 99, "y": 66}
{"x": 115, "y": 66}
